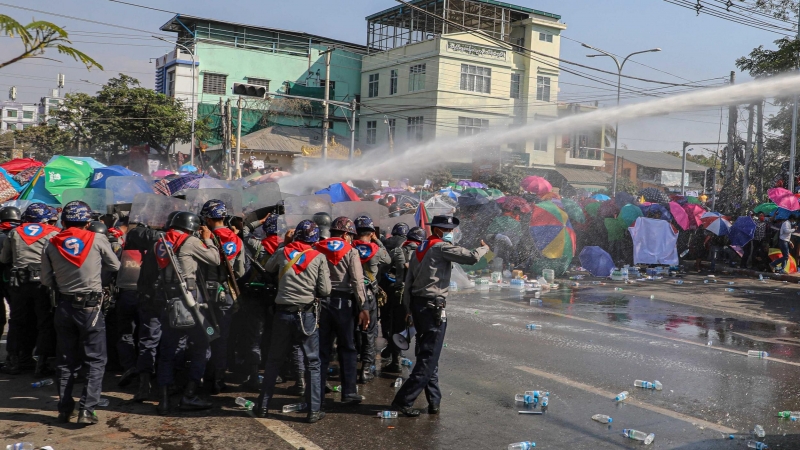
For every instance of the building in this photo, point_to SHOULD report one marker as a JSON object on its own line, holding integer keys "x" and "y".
{"x": 289, "y": 62}
{"x": 17, "y": 116}
{"x": 49, "y": 104}
{"x": 426, "y": 79}
{"x": 656, "y": 169}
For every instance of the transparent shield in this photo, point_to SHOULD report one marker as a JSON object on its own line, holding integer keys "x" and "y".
{"x": 196, "y": 198}
{"x": 153, "y": 209}
{"x": 261, "y": 196}
{"x": 378, "y": 213}
{"x": 388, "y": 223}
{"x": 308, "y": 205}
{"x": 212, "y": 183}
{"x": 97, "y": 199}
{"x": 124, "y": 189}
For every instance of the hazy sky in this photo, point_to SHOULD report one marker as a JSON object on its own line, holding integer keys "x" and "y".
{"x": 693, "y": 48}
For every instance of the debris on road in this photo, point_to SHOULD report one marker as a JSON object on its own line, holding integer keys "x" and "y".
{"x": 639, "y": 436}
{"x": 602, "y": 418}
{"x": 621, "y": 396}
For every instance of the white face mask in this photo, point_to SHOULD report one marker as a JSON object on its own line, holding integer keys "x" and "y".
{"x": 448, "y": 237}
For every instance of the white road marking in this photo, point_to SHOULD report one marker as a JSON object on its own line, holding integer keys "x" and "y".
{"x": 286, "y": 433}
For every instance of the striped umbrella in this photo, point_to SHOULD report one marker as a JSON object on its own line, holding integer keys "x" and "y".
{"x": 552, "y": 231}
{"x": 421, "y": 217}
{"x": 716, "y": 223}
{"x": 790, "y": 266}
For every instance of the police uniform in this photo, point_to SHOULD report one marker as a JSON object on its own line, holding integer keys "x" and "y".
{"x": 9, "y": 219}
{"x": 427, "y": 283}
{"x": 71, "y": 265}
{"x": 32, "y": 312}
{"x": 348, "y": 298}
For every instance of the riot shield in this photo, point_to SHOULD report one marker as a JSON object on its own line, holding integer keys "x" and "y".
{"x": 375, "y": 211}
{"x": 260, "y": 196}
{"x": 308, "y": 205}
{"x": 196, "y": 198}
{"x": 97, "y": 199}
{"x": 124, "y": 189}
{"x": 130, "y": 264}
{"x": 212, "y": 183}
{"x": 388, "y": 223}
{"x": 153, "y": 209}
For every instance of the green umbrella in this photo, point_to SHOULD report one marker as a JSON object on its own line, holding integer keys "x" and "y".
{"x": 495, "y": 193}
{"x": 616, "y": 229}
{"x": 694, "y": 200}
{"x": 476, "y": 191}
{"x": 766, "y": 208}
{"x": 629, "y": 213}
{"x": 592, "y": 208}
{"x": 574, "y": 210}
{"x": 64, "y": 173}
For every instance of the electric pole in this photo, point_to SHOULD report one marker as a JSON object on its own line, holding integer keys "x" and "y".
{"x": 748, "y": 155}
{"x": 228, "y": 133}
{"x": 239, "y": 138}
{"x": 325, "y": 103}
{"x": 730, "y": 154}
{"x": 760, "y": 145}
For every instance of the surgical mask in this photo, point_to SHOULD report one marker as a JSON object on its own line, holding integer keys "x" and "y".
{"x": 448, "y": 237}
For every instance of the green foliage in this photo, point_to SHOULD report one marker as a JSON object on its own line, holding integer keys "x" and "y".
{"x": 46, "y": 140}
{"x": 37, "y": 37}
{"x": 703, "y": 160}
{"x": 507, "y": 179}
{"x": 439, "y": 177}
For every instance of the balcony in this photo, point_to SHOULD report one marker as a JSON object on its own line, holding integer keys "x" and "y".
{"x": 582, "y": 156}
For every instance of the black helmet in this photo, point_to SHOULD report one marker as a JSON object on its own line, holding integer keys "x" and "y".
{"x": 98, "y": 227}
{"x": 416, "y": 234}
{"x": 10, "y": 214}
{"x": 400, "y": 229}
{"x": 323, "y": 221}
{"x": 186, "y": 221}
{"x": 170, "y": 217}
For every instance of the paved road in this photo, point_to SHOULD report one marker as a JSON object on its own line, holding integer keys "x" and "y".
{"x": 593, "y": 343}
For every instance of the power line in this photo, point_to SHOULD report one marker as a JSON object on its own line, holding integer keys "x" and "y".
{"x": 142, "y": 6}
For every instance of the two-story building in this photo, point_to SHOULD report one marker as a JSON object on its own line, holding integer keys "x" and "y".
{"x": 657, "y": 169}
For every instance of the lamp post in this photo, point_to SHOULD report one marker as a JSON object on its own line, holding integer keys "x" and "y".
{"x": 191, "y": 151}
{"x": 619, "y": 86}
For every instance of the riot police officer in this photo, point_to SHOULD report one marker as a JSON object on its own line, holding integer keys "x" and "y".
{"x": 426, "y": 288}
{"x": 10, "y": 217}
{"x": 72, "y": 263}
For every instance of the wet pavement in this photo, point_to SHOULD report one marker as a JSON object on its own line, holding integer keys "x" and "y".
{"x": 594, "y": 342}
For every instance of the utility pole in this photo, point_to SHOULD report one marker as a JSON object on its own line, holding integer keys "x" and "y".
{"x": 353, "y": 130}
{"x": 760, "y": 145}
{"x": 793, "y": 145}
{"x": 325, "y": 104}
{"x": 748, "y": 155}
{"x": 730, "y": 155}
{"x": 228, "y": 133}
{"x": 239, "y": 138}
{"x": 683, "y": 169}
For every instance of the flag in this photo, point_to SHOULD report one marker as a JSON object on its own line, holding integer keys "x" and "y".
{"x": 421, "y": 217}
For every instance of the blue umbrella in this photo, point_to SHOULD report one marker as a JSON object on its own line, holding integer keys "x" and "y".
{"x": 597, "y": 261}
{"x": 623, "y": 198}
{"x": 601, "y": 197}
{"x": 187, "y": 168}
{"x": 657, "y": 209}
{"x": 101, "y": 175}
{"x": 742, "y": 231}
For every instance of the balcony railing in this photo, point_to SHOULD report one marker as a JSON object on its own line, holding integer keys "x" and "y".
{"x": 588, "y": 153}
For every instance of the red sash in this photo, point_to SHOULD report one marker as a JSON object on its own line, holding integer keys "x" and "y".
{"x": 6, "y": 226}
{"x": 116, "y": 232}
{"x": 74, "y": 244}
{"x": 302, "y": 264}
{"x": 425, "y": 246}
{"x": 366, "y": 250}
{"x": 174, "y": 239}
{"x": 271, "y": 243}
{"x": 407, "y": 243}
{"x": 230, "y": 242}
{"x": 32, "y": 232}
{"x": 334, "y": 249}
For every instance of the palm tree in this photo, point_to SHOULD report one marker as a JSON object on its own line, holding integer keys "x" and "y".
{"x": 37, "y": 37}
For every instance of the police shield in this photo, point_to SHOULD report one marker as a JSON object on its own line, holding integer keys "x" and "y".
{"x": 212, "y": 183}
{"x": 388, "y": 223}
{"x": 196, "y": 198}
{"x": 124, "y": 189}
{"x": 308, "y": 205}
{"x": 97, "y": 199}
{"x": 375, "y": 211}
{"x": 260, "y": 196}
{"x": 153, "y": 209}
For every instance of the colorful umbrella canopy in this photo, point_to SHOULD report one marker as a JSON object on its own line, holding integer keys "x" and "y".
{"x": 162, "y": 173}
{"x": 601, "y": 197}
{"x": 629, "y": 213}
{"x": 694, "y": 213}
{"x": 623, "y": 198}
{"x": 190, "y": 181}
{"x": 14, "y": 183}
{"x": 552, "y": 231}
{"x": 549, "y": 196}
{"x": 100, "y": 176}
{"x": 654, "y": 195}
{"x": 791, "y": 265}
{"x": 26, "y": 175}
{"x": 495, "y": 193}
{"x": 656, "y": 211}
{"x": 694, "y": 200}
{"x": 742, "y": 231}
{"x": 597, "y": 261}
{"x": 716, "y": 223}
{"x": 93, "y": 163}
{"x": 421, "y": 218}
{"x": 536, "y": 185}
{"x": 473, "y": 197}
{"x": 16, "y": 166}
{"x": 608, "y": 208}
{"x": 509, "y": 203}
{"x": 449, "y": 192}
{"x": 35, "y": 190}
{"x": 766, "y": 208}
{"x": 679, "y": 214}
{"x": 63, "y": 172}
{"x": 784, "y": 199}
{"x": 592, "y": 208}
{"x": 340, "y": 192}
{"x": 574, "y": 210}
{"x": 187, "y": 168}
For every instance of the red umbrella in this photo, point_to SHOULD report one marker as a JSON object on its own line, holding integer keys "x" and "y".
{"x": 784, "y": 199}
{"x": 693, "y": 214}
{"x": 16, "y": 166}
{"x": 679, "y": 214}
{"x": 536, "y": 185}
{"x": 509, "y": 203}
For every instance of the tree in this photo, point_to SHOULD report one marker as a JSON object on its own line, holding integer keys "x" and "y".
{"x": 507, "y": 179}
{"x": 37, "y": 37}
{"x": 46, "y": 140}
{"x": 439, "y": 177}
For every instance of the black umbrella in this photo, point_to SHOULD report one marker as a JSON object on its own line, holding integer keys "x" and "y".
{"x": 654, "y": 195}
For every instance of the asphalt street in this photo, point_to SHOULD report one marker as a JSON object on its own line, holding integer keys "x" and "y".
{"x": 593, "y": 343}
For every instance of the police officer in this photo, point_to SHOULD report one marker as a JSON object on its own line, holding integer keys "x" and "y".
{"x": 218, "y": 288}
{"x": 426, "y": 288}
{"x": 347, "y": 300}
{"x": 189, "y": 252}
{"x": 374, "y": 258}
{"x": 31, "y": 309}
{"x": 303, "y": 277}
{"x": 10, "y": 217}
{"x": 72, "y": 263}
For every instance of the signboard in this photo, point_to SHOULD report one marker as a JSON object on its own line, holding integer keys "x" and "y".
{"x": 258, "y": 164}
{"x": 669, "y": 178}
{"x": 516, "y": 159}
{"x": 476, "y": 50}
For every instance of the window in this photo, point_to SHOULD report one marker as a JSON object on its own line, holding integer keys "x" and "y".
{"x": 52, "y": 110}
{"x": 27, "y": 114}
{"x": 53, "y": 101}
{"x": 171, "y": 84}
{"x": 476, "y": 79}
{"x": 520, "y": 42}
{"x": 517, "y": 147}
{"x": 27, "y": 125}
{"x": 259, "y": 82}
{"x": 565, "y": 141}
{"x": 414, "y": 128}
{"x": 416, "y": 78}
{"x": 215, "y": 83}
{"x": 393, "y": 82}
{"x": 540, "y": 144}
{"x": 391, "y": 124}
{"x": 545, "y": 37}
{"x": 626, "y": 173}
{"x": 372, "y": 132}
{"x": 468, "y": 126}
{"x": 515, "y": 82}
{"x": 331, "y": 84}
{"x": 543, "y": 89}
{"x": 12, "y": 126}
{"x": 373, "y": 85}
{"x": 11, "y": 113}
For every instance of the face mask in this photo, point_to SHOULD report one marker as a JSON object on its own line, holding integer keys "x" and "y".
{"x": 448, "y": 237}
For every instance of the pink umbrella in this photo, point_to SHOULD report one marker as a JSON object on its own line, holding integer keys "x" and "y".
{"x": 679, "y": 214}
{"x": 272, "y": 176}
{"x": 162, "y": 173}
{"x": 784, "y": 199}
{"x": 536, "y": 185}
{"x": 693, "y": 214}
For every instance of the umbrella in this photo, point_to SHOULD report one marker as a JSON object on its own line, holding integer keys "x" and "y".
{"x": 784, "y": 199}
{"x": 509, "y": 203}
{"x": 26, "y": 175}
{"x": 654, "y": 195}
{"x": 14, "y": 183}
{"x": 16, "y": 166}
{"x": 473, "y": 197}
{"x": 93, "y": 163}
{"x": 597, "y": 261}
{"x": 552, "y": 231}
{"x": 716, "y": 223}
{"x": 63, "y": 173}
{"x": 592, "y": 208}
{"x": 421, "y": 217}
{"x": 615, "y": 228}
{"x": 694, "y": 200}
{"x": 271, "y": 176}
{"x": 608, "y": 208}
{"x": 162, "y": 173}
{"x": 742, "y": 231}
{"x": 549, "y": 196}
{"x": 601, "y": 197}
{"x": 656, "y": 211}
{"x": 694, "y": 213}
{"x": 102, "y": 174}
{"x": 623, "y": 198}
{"x": 679, "y": 214}
{"x": 470, "y": 184}
{"x": 629, "y": 213}
{"x": 449, "y": 192}
{"x": 574, "y": 210}
{"x": 495, "y": 193}
{"x": 35, "y": 190}
{"x": 187, "y": 168}
{"x": 790, "y": 266}
{"x": 766, "y": 208}
{"x": 340, "y": 192}
{"x": 536, "y": 185}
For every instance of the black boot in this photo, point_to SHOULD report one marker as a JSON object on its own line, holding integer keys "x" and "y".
{"x": 395, "y": 366}
{"x": 163, "y": 406}
{"x": 365, "y": 376}
{"x": 126, "y": 377}
{"x": 12, "y": 368}
{"x": 144, "y": 388}
{"x": 42, "y": 369}
{"x": 210, "y": 385}
{"x": 219, "y": 380}
{"x": 253, "y": 384}
{"x": 299, "y": 388}
{"x": 191, "y": 401}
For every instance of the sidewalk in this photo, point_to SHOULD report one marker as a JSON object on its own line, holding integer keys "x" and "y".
{"x": 791, "y": 278}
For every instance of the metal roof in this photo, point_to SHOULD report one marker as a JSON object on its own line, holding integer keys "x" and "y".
{"x": 657, "y": 160}
{"x": 488, "y": 2}
{"x": 284, "y": 139}
{"x": 584, "y": 176}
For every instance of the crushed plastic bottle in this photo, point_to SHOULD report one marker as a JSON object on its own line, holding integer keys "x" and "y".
{"x": 537, "y": 394}
{"x": 545, "y": 402}
{"x": 757, "y": 354}
{"x": 731, "y": 283}
{"x": 294, "y": 407}
{"x": 387, "y": 415}
{"x": 336, "y": 389}
{"x": 684, "y": 253}
{"x": 730, "y": 290}
{"x": 618, "y": 289}
{"x": 453, "y": 286}
{"x": 244, "y": 403}
{"x": 20, "y": 446}
{"x": 643, "y": 384}
{"x": 757, "y": 445}
{"x": 621, "y": 396}
{"x": 789, "y": 414}
{"x": 678, "y": 282}
{"x": 602, "y": 418}
{"x": 639, "y": 436}
{"x": 38, "y": 384}
{"x": 522, "y": 445}
{"x": 533, "y": 326}
{"x": 705, "y": 281}
{"x": 103, "y": 402}
{"x": 524, "y": 398}
{"x": 406, "y": 362}
{"x": 758, "y": 430}
{"x": 398, "y": 382}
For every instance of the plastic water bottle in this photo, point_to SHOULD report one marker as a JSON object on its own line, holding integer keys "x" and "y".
{"x": 602, "y": 418}
{"x": 618, "y": 289}
{"x": 789, "y": 414}
{"x": 406, "y": 362}
{"x": 639, "y": 436}
{"x": 537, "y": 394}
{"x": 336, "y": 389}
{"x": 294, "y": 407}
{"x": 705, "y": 281}
{"x": 246, "y": 404}
{"x": 757, "y": 445}
{"x": 731, "y": 283}
{"x": 39, "y": 384}
{"x": 453, "y": 286}
{"x": 398, "y": 382}
{"x": 545, "y": 401}
{"x": 678, "y": 282}
{"x": 522, "y": 445}
{"x": 533, "y": 326}
{"x": 730, "y": 290}
{"x": 524, "y": 398}
{"x": 103, "y": 402}
{"x": 758, "y": 430}
{"x": 387, "y": 415}
{"x": 644, "y": 384}
{"x": 20, "y": 446}
{"x": 624, "y": 273}
{"x": 657, "y": 385}
{"x": 760, "y": 277}
{"x": 621, "y": 396}
{"x": 757, "y": 354}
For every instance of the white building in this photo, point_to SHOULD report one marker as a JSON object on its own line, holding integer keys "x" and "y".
{"x": 49, "y": 104}
{"x": 18, "y": 116}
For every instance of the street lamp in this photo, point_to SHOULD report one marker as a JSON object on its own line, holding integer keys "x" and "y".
{"x": 619, "y": 86}
{"x": 191, "y": 151}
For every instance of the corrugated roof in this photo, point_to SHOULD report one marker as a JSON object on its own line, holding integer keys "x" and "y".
{"x": 657, "y": 160}
{"x": 288, "y": 140}
{"x": 488, "y": 2}
{"x": 584, "y": 176}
